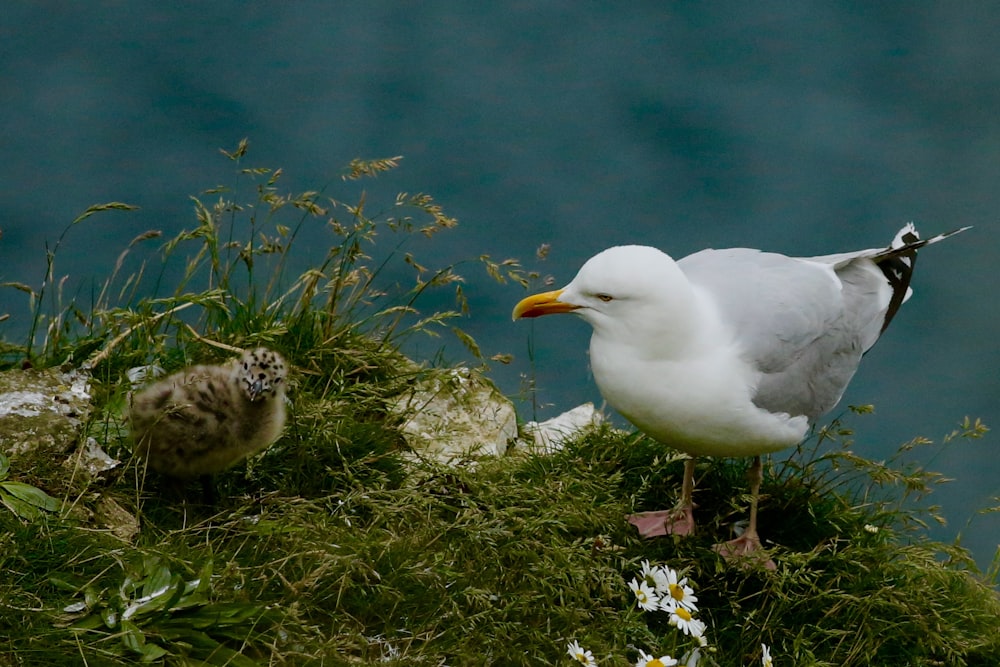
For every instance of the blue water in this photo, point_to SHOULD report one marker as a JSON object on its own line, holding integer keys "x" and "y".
{"x": 803, "y": 128}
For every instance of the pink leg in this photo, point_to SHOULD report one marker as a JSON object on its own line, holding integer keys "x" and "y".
{"x": 748, "y": 544}
{"x": 677, "y": 521}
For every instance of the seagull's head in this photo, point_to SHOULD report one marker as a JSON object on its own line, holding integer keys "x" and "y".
{"x": 261, "y": 373}
{"x": 629, "y": 290}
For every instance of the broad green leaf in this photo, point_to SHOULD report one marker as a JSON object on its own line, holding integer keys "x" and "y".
{"x": 178, "y": 591}
{"x": 110, "y": 618}
{"x": 153, "y": 652}
{"x": 223, "y": 614}
{"x": 217, "y": 654}
{"x": 159, "y": 599}
{"x": 33, "y": 495}
{"x": 132, "y": 637}
{"x": 224, "y": 656}
{"x": 19, "y": 507}
{"x": 204, "y": 581}
{"x": 187, "y": 635}
{"x": 89, "y": 623}
{"x": 62, "y": 581}
{"x": 157, "y": 582}
{"x": 91, "y": 596}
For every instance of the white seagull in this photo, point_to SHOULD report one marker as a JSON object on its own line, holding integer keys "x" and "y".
{"x": 730, "y": 352}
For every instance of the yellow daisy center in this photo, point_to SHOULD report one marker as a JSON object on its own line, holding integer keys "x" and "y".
{"x": 655, "y": 662}
{"x": 683, "y": 613}
{"x": 676, "y": 592}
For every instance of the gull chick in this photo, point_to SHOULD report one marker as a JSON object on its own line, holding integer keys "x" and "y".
{"x": 730, "y": 352}
{"x": 205, "y": 419}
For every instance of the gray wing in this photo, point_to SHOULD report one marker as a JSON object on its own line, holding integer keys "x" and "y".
{"x": 803, "y": 324}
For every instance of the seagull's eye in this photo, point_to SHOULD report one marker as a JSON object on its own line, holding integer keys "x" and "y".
{"x": 605, "y": 297}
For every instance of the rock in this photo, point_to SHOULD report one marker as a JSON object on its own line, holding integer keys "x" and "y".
{"x": 42, "y": 417}
{"x": 93, "y": 461}
{"x": 550, "y": 435}
{"x": 457, "y": 414}
{"x": 114, "y": 518}
{"x": 42, "y": 413}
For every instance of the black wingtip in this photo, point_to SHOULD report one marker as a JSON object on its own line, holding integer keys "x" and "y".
{"x": 897, "y": 262}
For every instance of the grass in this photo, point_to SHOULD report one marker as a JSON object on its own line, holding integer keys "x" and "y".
{"x": 335, "y": 548}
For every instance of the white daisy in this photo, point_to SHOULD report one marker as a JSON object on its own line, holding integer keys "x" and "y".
{"x": 691, "y": 658}
{"x": 682, "y": 619}
{"x": 645, "y": 596}
{"x": 677, "y": 593}
{"x": 582, "y": 656}
{"x": 655, "y": 577}
{"x": 646, "y": 660}
{"x": 765, "y": 658}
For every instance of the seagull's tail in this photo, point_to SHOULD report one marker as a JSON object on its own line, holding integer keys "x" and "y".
{"x": 897, "y": 262}
{"x": 908, "y": 239}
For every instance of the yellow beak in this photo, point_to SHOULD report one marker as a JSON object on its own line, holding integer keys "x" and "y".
{"x": 545, "y": 303}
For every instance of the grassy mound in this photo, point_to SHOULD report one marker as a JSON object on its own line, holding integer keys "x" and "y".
{"x": 335, "y": 548}
{"x": 504, "y": 563}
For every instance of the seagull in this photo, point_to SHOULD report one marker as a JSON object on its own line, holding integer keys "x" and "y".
{"x": 204, "y": 419}
{"x": 731, "y": 352}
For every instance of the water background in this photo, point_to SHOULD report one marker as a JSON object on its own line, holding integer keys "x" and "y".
{"x": 799, "y": 127}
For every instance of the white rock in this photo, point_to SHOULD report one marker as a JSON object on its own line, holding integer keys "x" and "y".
{"x": 24, "y": 403}
{"x": 456, "y": 415}
{"x": 94, "y": 459}
{"x": 42, "y": 410}
{"x": 551, "y": 434}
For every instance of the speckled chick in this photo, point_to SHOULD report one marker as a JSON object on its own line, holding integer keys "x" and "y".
{"x": 204, "y": 419}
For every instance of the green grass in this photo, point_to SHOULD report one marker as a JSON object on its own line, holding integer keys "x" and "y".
{"x": 335, "y": 548}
